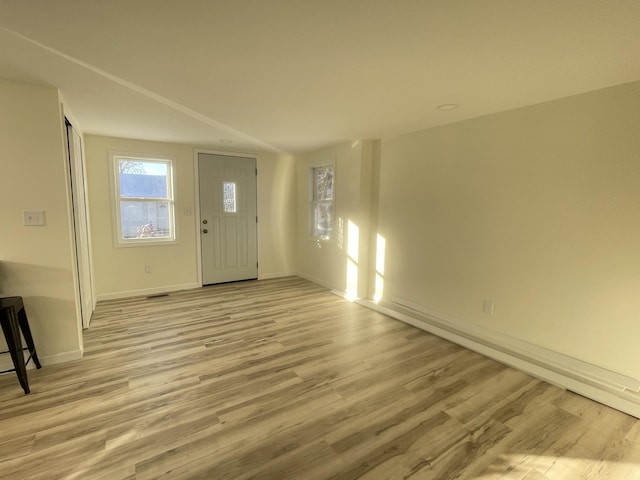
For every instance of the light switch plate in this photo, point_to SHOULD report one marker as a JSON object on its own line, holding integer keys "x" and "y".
{"x": 33, "y": 218}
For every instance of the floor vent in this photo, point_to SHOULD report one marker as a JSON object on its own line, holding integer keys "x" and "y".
{"x": 149, "y": 297}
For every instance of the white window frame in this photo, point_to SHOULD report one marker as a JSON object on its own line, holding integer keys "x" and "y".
{"x": 118, "y": 241}
{"x": 313, "y": 201}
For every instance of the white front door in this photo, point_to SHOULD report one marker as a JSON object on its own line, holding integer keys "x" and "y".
{"x": 228, "y": 232}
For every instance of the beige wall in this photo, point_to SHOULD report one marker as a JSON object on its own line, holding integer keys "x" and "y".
{"x": 535, "y": 209}
{"x": 340, "y": 262}
{"x": 120, "y": 271}
{"x": 276, "y": 214}
{"x": 36, "y": 262}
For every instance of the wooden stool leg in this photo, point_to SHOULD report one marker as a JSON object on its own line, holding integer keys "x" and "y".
{"x": 26, "y": 333}
{"x": 14, "y": 342}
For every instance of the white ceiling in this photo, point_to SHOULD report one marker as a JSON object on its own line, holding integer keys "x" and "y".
{"x": 296, "y": 75}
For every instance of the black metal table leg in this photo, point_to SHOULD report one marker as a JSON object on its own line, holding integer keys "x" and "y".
{"x": 13, "y": 318}
{"x": 11, "y": 330}
{"x": 26, "y": 333}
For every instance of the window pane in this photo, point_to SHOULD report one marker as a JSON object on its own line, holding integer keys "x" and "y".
{"x": 323, "y": 183}
{"x": 145, "y": 219}
{"x": 229, "y": 192}
{"x": 323, "y": 215}
{"x": 142, "y": 179}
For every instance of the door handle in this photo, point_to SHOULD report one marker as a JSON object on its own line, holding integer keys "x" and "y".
{"x": 204, "y": 221}
{"x": 205, "y": 231}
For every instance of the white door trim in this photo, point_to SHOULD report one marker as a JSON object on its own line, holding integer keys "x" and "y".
{"x": 196, "y": 176}
{"x": 81, "y": 229}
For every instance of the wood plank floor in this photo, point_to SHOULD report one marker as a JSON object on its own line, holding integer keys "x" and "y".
{"x": 280, "y": 379}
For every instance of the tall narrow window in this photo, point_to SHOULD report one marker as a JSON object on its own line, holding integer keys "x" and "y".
{"x": 229, "y": 193}
{"x": 144, "y": 200}
{"x": 322, "y": 200}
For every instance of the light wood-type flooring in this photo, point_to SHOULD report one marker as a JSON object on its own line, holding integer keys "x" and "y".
{"x": 280, "y": 379}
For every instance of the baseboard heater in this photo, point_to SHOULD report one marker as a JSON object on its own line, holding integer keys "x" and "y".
{"x": 609, "y": 388}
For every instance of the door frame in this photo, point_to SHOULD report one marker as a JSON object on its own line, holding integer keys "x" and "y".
{"x": 77, "y": 170}
{"x": 196, "y": 176}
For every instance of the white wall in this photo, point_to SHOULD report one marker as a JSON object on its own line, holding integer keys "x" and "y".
{"x": 276, "y": 214}
{"x": 36, "y": 262}
{"x": 535, "y": 209}
{"x": 343, "y": 261}
{"x": 120, "y": 271}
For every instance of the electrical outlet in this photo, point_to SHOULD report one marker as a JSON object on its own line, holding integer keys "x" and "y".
{"x": 487, "y": 307}
{"x": 147, "y": 269}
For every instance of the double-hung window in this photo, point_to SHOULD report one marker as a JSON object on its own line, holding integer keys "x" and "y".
{"x": 144, "y": 205}
{"x": 322, "y": 200}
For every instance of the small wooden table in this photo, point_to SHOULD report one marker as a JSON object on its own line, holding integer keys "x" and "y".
{"x": 14, "y": 320}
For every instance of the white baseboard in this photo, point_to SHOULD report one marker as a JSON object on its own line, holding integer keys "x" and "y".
{"x": 316, "y": 280}
{"x": 45, "y": 360}
{"x": 609, "y": 388}
{"x": 146, "y": 291}
{"x": 6, "y": 364}
{"x": 55, "y": 358}
{"x": 267, "y": 276}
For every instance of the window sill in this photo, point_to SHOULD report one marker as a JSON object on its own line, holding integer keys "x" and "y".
{"x": 145, "y": 243}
